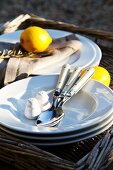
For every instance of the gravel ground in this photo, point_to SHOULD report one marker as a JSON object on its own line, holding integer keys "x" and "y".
{"x": 86, "y": 13}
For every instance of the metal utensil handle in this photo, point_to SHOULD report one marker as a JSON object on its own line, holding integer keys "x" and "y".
{"x": 82, "y": 81}
{"x": 62, "y": 78}
{"x": 73, "y": 78}
{"x": 78, "y": 86}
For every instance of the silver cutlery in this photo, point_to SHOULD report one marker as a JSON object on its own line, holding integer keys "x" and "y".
{"x": 62, "y": 78}
{"x": 61, "y": 82}
{"x": 54, "y": 116}
{"x": 65, "y": 70}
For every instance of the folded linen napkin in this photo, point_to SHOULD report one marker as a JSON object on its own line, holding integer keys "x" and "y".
{"x": 14, "y": 67}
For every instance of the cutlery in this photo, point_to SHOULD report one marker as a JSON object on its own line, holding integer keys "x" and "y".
{"x": 53, "y": 117}
{"x": 60, "y": 83}
{"x": 60, "y": 88}
{"x": 62, "y": 79}
{"x": 72, "y": 79}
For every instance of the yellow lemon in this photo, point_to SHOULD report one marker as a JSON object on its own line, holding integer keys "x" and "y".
{"x": 35, "y": 39}
{"x": 102, "y": 75}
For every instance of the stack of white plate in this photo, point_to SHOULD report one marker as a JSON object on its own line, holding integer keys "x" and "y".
{"x": 87, "y": 114}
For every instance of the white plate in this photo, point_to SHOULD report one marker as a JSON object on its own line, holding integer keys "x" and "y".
{"x": 93, "y": 130}
{"x": 92, "y": 105}
{"x": 69, "y": 141}
{"x": 62, "y": 140}
{"x": 89, "y": 55}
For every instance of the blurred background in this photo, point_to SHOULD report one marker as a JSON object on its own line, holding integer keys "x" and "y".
{"x": 86, "y": 13}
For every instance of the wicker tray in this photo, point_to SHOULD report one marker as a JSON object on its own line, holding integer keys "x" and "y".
{"x": 94, "y": 153}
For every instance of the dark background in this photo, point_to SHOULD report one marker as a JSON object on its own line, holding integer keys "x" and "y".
{"x": 86, "y": 13}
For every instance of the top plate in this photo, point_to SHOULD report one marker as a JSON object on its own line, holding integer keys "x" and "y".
{"x": 89, "y": 54}
{"x": 92, "y": 105}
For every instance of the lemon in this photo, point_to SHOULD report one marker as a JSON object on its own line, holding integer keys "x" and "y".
{"x": 102, "y": 75}
{"x": 35, "y": 39}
